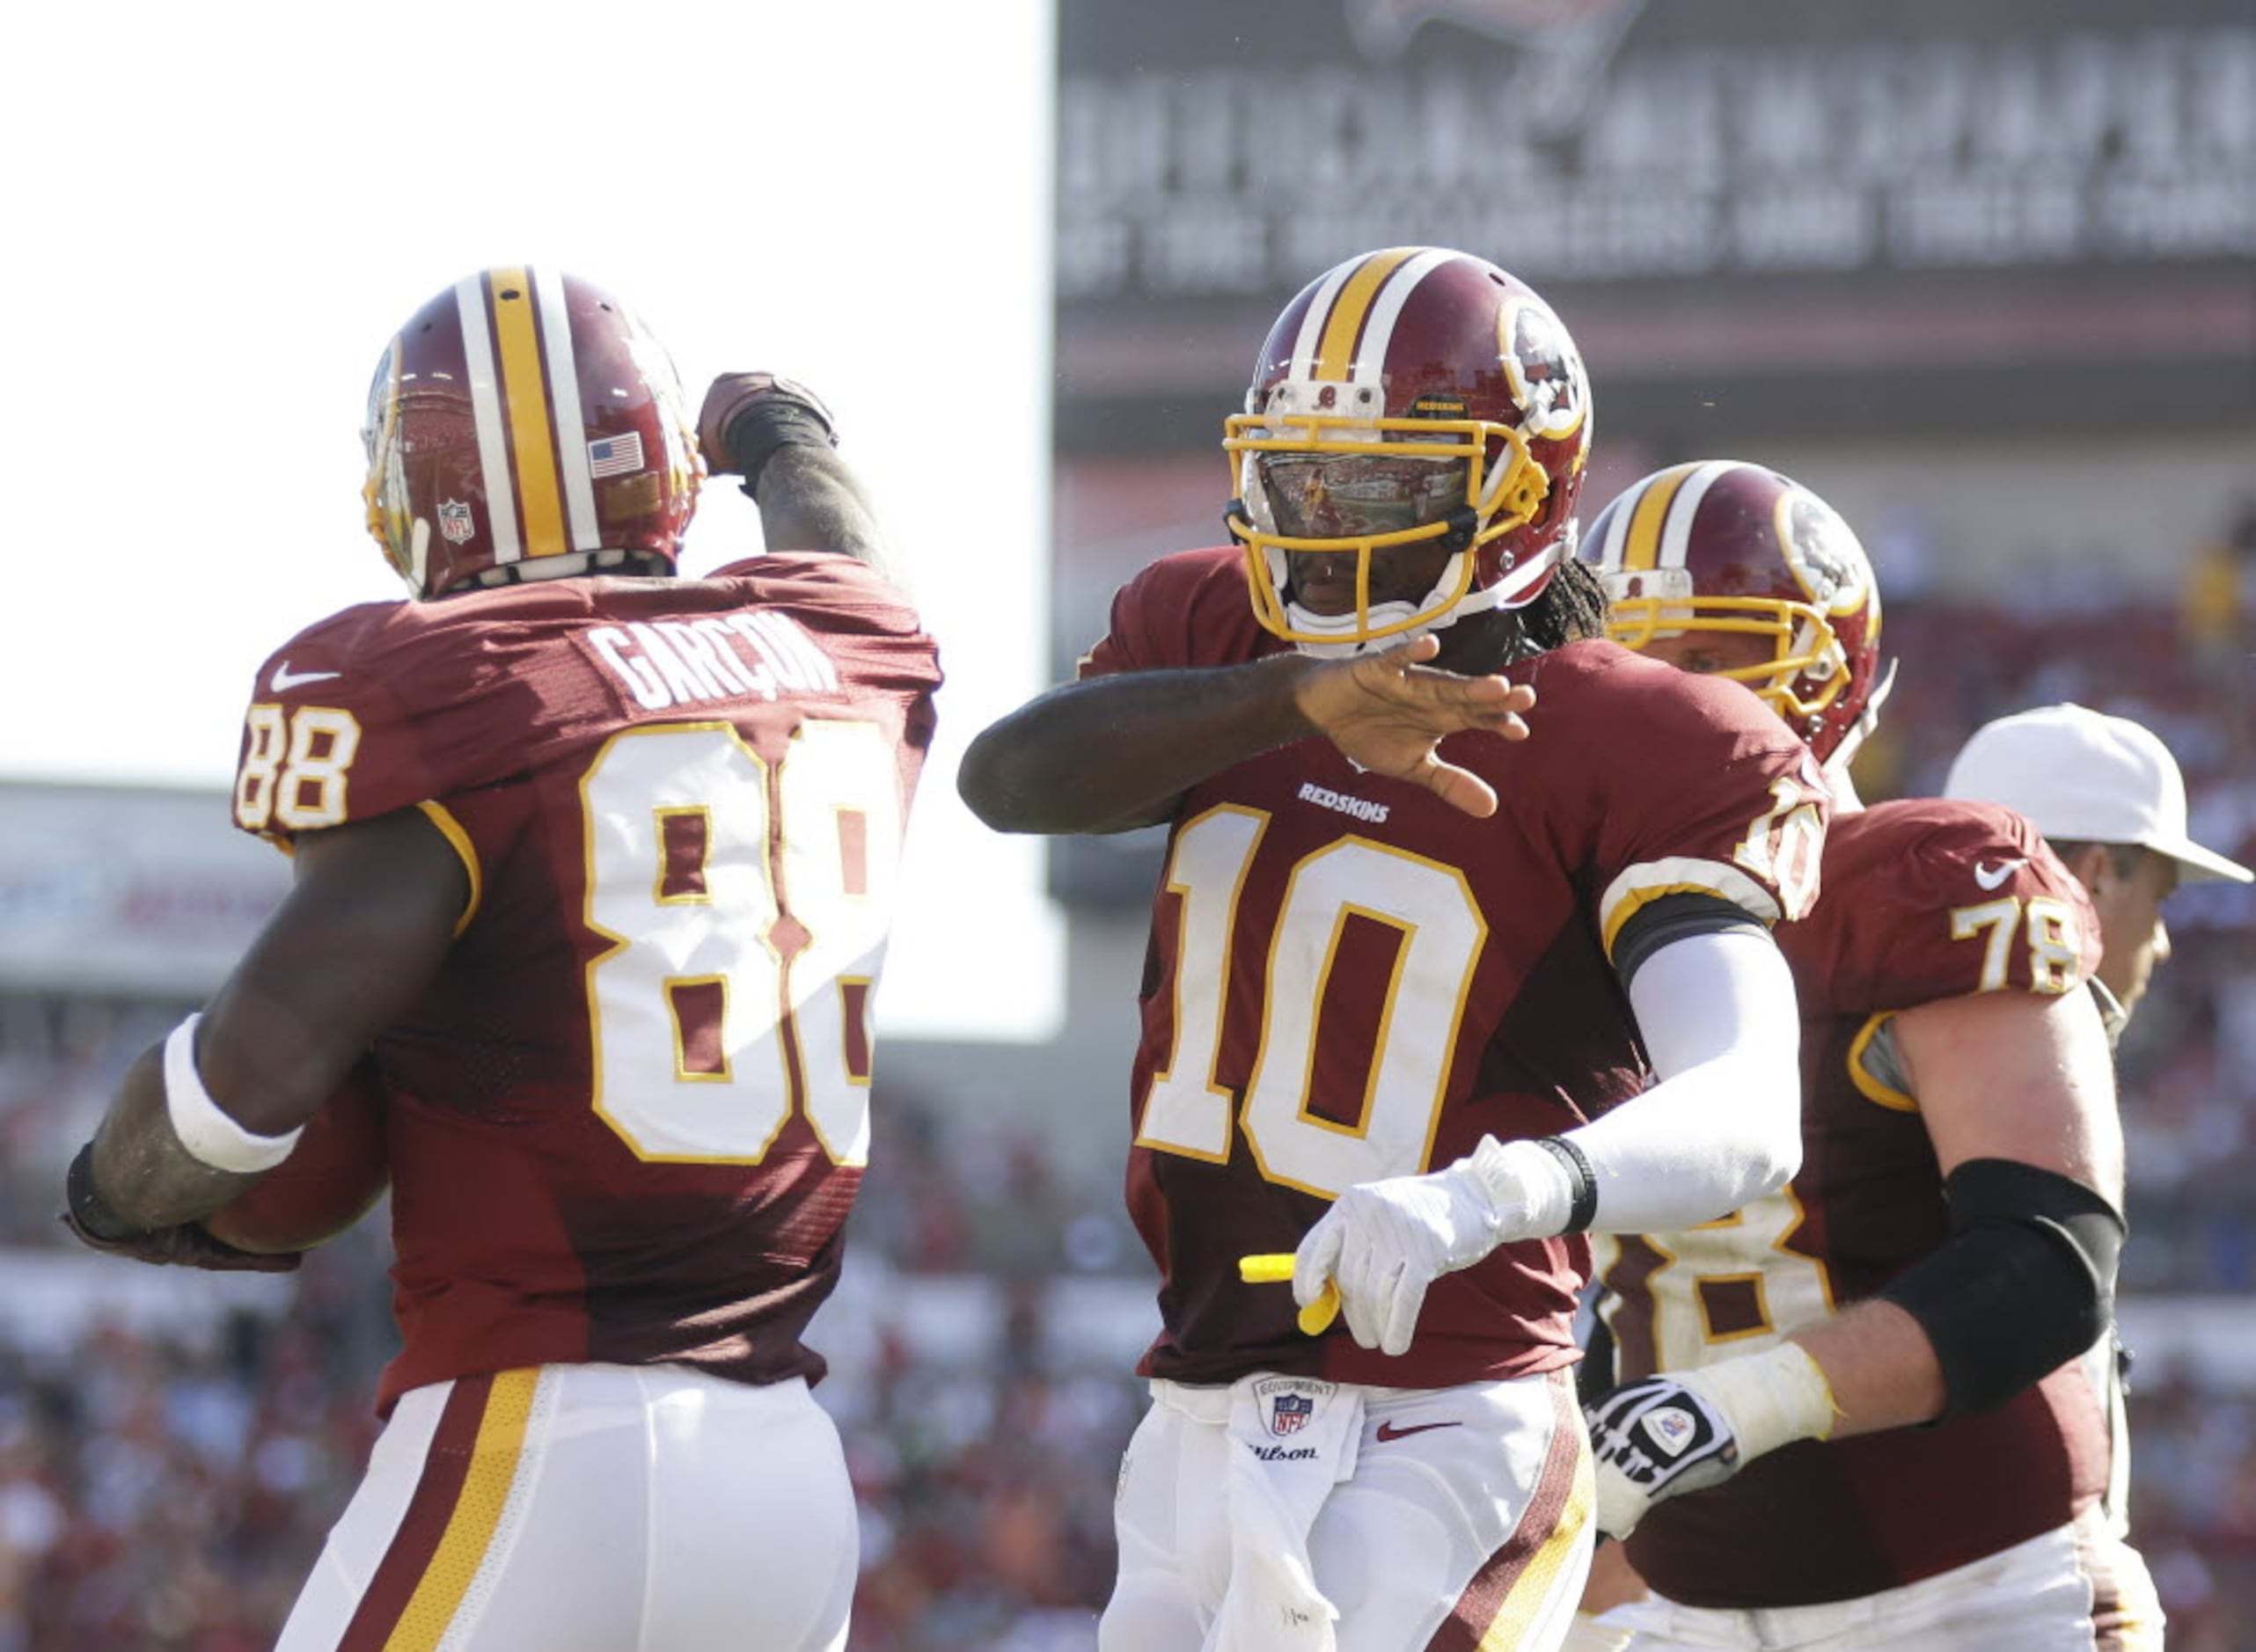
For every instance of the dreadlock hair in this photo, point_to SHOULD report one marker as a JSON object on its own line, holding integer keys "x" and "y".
{"x": 1571, "y": 609}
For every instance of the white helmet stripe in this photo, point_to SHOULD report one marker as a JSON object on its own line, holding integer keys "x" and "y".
{"x": 1312, "y": 325}
{"x": 571, "y": 420}
{"x": 1607, "y": 554}
{"x": 1379, "y": 332}
{"x": 1676, "y": 533}
{"x": 485, "y": 404}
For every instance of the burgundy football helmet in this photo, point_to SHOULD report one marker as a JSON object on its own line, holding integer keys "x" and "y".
{"x": 1721, "y": 545}
{"x": 525, "y": 425}
{"x": 1410, "y": 396}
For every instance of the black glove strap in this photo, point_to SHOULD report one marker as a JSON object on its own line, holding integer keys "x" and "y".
{"x": 774, "y": 421}
{"x": 88, "y": 1208}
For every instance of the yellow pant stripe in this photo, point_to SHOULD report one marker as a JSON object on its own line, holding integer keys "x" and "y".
{"x": 477, "y": 1514}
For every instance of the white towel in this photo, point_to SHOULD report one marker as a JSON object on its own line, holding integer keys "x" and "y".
{"x": 1291, "y": 1440}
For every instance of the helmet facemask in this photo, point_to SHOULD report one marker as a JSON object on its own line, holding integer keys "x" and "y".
{"x": 1729, "y": 550}
{"x": 1328, "y": 485}
{"x": 1806, "y": 672}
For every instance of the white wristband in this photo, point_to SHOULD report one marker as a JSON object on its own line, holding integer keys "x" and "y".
{"x": 209, "y": 1134}
{"x": 1769, "y": 1399}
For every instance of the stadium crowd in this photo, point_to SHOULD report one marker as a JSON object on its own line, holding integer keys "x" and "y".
{"x": 167, "y": 1493}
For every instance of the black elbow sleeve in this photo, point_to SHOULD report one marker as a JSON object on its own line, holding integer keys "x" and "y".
{"x": 2026, "y": 1282}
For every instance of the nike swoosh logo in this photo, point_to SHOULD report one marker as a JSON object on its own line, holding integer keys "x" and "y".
{"x": 1388, "y": 1431}
{"x": 285, "y": 679}
{"x": 1990, "y": 877}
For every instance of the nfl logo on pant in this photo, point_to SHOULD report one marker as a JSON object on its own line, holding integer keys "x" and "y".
{"x": 1288, "y": 1403}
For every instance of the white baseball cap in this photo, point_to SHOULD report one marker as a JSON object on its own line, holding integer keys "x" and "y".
{"x": 2081, "y": 776}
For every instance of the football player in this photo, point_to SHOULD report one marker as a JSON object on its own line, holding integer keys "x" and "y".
{"x": 600, "y": 861}
{"x": 1946, "y": 1258}
{"x": 1409, "y": 953}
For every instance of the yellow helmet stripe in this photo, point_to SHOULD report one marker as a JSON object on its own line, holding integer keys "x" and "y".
{"x": 1335, "y": 351}
{"x": 1641, "y": 544}
{"x": 524, "y": 399}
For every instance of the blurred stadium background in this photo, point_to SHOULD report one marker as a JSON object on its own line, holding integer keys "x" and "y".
{"x": 1984, "y": 275}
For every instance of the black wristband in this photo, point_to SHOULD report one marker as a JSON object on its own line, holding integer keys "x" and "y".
{"x": 88, "y": 1208}
{"x": 771, "y": 423}
{"x": 1584, "y": 1207}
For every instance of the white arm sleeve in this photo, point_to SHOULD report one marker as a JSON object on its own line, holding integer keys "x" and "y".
{"x": 1723, "y": 1126}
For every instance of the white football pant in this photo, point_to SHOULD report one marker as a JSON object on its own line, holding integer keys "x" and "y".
{"x": 591, "y": 1509}
{"x": 2075, "y": 1589}
{"x": 1466, "y": 1521}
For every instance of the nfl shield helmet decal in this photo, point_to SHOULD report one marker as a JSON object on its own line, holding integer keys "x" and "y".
{"x": 455, "y": 525}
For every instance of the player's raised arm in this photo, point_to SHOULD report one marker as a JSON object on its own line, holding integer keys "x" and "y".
{"x": 777, "y": 436}
{"x": 1116, "y": 751}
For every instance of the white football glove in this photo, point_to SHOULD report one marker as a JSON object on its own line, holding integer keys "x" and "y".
{"x": 1680, "y": 1431}
{"x": 1382, "y": 1243}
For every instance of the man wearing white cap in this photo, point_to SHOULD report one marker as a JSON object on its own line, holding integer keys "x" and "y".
{"x": 2107, "y": 795}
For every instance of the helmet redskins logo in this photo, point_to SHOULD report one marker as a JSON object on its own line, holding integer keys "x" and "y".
{"x": 1826, "y": 559}
{"x": 1544, "y": 370}
{"x": 524, "y": 424}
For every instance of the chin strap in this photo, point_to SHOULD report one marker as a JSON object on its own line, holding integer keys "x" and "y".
{"x": 1868, "y": 720}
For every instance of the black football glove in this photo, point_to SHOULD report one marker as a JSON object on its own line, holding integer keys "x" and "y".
{"x": 747, "y": 416}
{"x": 94, "y": 1224}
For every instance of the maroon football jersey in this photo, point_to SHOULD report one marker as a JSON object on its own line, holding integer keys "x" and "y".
{"x": 1349, "y": 979}
{"x": 1924, "y": 900}
{"x": 628, "y": 1119}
